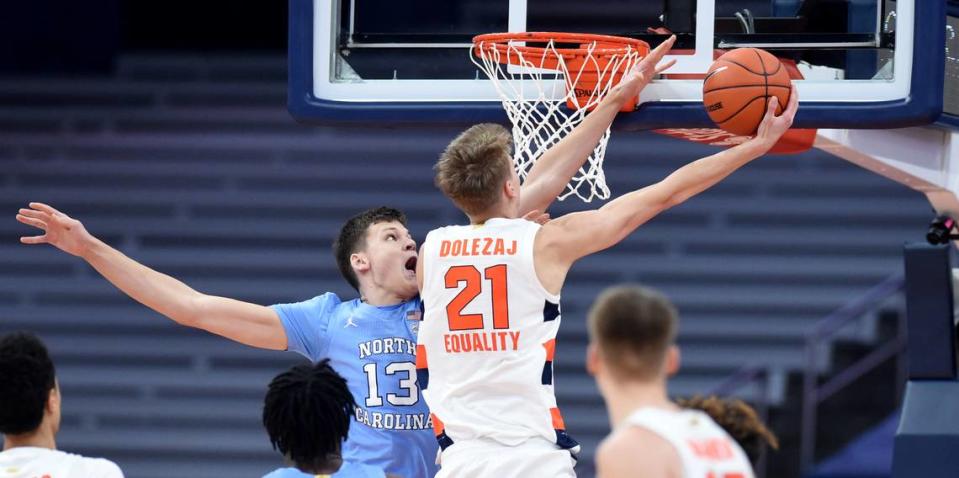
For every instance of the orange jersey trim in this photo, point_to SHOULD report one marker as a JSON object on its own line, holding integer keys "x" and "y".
{"x": 557, "y": 419}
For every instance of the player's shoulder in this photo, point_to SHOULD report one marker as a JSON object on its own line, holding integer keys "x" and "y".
{"x": 91, "y": 467}
{"x": 327, "y": 300}
{"x": 286, "y": 473}
{"x": 102, "y": 468}
{"x": 553, "y": 235}
{"x": 442, "y": 230}
{"x": 78, "y": 465}
{"x": 324, "y": 300}
{"x": 359, "y": 470}
{"x": 635, "y": 438}
{"x": 633, "y": 447}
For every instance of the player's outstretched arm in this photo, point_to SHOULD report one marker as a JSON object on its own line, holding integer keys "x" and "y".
{"x": 247, "y": 323}
{"x": 579, "y": 234}
{"x": 556, "y": 167}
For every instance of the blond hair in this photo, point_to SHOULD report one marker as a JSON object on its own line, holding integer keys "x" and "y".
{"x": 474, "y": 166}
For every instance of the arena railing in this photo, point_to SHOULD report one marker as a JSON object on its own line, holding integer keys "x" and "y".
{"x": 814, "y": 393}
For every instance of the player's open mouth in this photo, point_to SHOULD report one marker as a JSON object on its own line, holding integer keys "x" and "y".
{"x": 411, "y": 264}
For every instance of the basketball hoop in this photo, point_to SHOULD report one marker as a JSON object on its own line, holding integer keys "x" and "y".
{"x": 525, "y": 78}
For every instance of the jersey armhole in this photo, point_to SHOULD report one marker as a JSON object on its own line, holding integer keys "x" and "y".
{"x": 530, "y": 241}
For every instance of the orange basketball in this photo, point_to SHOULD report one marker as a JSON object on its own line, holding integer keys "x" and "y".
{"x": 738, "y": 86}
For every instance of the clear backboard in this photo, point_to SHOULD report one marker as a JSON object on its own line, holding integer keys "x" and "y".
{"x": 865, "y": 63}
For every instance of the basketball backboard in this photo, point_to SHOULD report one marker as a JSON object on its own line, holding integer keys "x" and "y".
{"x": 866, "y": 63}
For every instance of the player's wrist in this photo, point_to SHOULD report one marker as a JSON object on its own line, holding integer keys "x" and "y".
{"x": 623, "y": 92}
{"x": 758, "y": 145}
{"x": 89, "y": 246}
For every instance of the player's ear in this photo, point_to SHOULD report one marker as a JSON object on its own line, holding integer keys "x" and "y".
{"x": 673, "y": 358}
{"x": 360, "y": 261}
{"x": 510, "y": 188}
{"x": 53, "y": 400}
{"x": 592, "y": 360}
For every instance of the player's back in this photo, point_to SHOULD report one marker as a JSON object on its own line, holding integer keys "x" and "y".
{"x": 485, "y": 346}
{"x": 704, "y": 448}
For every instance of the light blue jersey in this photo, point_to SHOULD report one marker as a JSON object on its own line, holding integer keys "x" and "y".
{"x": 374, "y": 349}
{"x": 348, "y": 470}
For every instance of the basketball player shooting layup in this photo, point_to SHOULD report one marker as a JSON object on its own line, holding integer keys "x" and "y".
{"x": 491, "y": 289}
{"x": 632, "y": 351}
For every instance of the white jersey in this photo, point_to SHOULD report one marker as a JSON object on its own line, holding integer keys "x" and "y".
{"x": 32, "y": 462}
{"x": 486, "y": 343}
{"x": 704, "y": 448}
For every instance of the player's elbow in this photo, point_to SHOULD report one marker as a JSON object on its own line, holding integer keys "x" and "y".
{"x": 672, "y": 201}
{"x": 192, "y": 311}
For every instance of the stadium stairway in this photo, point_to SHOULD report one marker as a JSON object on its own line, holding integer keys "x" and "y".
{"x": 844, "y": 420}
{"x": 191, "y": 165}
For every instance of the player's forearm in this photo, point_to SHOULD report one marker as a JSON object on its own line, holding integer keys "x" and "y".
{"x": 704, "y": 173}
{"x": 626, "y": 213}
{"x": 153, "y": 289}
{"x": 559, "y": 164}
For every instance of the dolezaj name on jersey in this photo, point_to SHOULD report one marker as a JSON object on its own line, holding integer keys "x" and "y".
{"x": 394, "y": 421}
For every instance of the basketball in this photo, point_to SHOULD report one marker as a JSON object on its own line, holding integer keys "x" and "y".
{"x": 738, "y": 86}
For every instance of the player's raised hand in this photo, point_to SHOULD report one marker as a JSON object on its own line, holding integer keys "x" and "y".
{"x": 59, "y": 230}
{"x": 646, "y": 69}
{"x": 773, "y": 127}
{"x": 537, "y": 216}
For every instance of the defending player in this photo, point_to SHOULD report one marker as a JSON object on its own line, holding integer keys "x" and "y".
{"x": 369, "y": 341}
{"x": 631, "y": 354}
{"x": 492, "y": 288}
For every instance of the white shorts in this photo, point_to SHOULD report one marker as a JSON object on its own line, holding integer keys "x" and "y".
{"x": 485, "y": 459}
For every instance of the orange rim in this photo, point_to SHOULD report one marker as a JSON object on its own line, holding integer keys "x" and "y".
{"x": 607, "y": 45}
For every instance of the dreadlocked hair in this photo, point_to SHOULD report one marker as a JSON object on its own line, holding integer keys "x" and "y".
{"x": 738, "y": 419}
{"x": 307, "y": 413}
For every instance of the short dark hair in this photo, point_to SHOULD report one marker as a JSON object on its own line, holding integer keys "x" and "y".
{"x": 28, "y": 377}
{"x": 352, "y": 237}
{"x": 739, "y": 420}
{"x": 307, "y": 413}
{"x": 633, "y": 327}
{"x": 474, "y": 165}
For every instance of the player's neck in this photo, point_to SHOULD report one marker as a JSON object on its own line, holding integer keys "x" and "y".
{"x": 380, "y": 298}
{"x": 623, "y": 398}
{"x": 331, "y": 465}
{"x": 502, "y": 210}
{"x": 41, "y": 438}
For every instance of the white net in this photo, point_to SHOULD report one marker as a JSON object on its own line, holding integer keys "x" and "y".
{"x": 548, "y": 92}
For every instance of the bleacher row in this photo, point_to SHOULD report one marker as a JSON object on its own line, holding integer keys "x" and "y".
{"x": 192, "y": 166}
